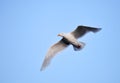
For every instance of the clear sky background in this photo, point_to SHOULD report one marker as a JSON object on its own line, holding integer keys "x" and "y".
{"x": 29, "y": 27}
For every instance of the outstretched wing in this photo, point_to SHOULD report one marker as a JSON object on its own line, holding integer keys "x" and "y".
{"x": 53, "y": 50}
{"x": 82, "y": 30}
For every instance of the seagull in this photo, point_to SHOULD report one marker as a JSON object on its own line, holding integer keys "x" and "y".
{"x": 68, "y": 39}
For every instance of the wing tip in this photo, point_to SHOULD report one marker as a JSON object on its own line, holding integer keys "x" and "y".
{"x": 97, "y": 30}
{"x": 41, "y": 69}
{"x": 43, "y": 66}
{"x": 92, "y": 28}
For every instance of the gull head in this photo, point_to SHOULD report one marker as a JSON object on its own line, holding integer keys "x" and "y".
{"x": 61, "y": 34}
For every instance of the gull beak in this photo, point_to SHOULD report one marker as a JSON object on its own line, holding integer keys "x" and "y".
{"x": 58, "y": 35}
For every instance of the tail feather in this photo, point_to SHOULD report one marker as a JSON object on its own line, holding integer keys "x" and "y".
{"x": 78, "y": 48}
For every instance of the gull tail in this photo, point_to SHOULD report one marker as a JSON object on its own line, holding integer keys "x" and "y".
{"x": 80, "y": 47}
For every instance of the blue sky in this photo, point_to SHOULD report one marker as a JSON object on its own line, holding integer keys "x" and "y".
{"x": 29, "y": 27}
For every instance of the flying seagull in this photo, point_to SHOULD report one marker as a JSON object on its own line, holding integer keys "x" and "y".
{"x": 68, "y": 39}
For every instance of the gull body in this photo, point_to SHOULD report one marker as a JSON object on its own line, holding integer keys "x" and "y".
{"x": 68, "y": 39}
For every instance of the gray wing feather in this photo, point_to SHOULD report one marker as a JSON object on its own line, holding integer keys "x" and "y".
{"x": 82, "y": 30}
{"x": 53, "y": 50}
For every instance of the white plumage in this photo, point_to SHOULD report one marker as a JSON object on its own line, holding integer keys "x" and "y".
{"x": 68, "y": 39}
